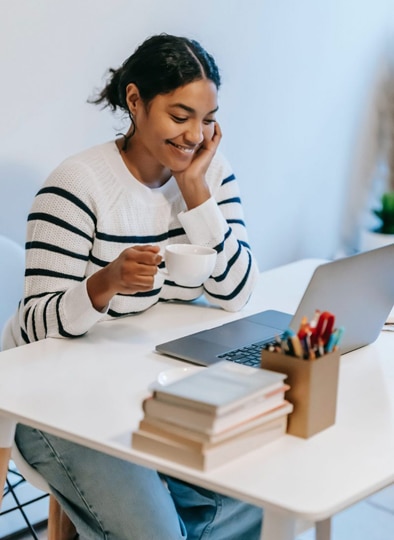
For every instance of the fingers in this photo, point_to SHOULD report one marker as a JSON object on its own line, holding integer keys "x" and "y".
{"x": 142, "y": 262}
{"x": 217, "y": 134}
{"x": 137, "y": 267}
{"x": 146, "y": 247}
{"x": 214, "y": 142}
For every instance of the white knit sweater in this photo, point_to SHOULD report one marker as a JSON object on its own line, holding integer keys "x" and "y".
{"x": 89, "y": 210}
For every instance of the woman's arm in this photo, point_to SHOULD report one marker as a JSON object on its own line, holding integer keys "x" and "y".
{"x": 67, "y": 288}
{"x": 219, "y": 223}
{"x": 215, "y": 219}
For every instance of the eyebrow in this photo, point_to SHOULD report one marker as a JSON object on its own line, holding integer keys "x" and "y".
{"x": 190, "y": 109}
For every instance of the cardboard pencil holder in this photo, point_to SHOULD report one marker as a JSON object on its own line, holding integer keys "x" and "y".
{"x": 313, "y": 390}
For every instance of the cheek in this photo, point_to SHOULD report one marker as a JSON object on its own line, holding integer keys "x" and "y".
{"x": 169, "y": 131}
{"x": 159, "y": 129}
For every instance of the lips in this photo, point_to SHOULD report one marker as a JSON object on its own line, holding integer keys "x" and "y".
{"x": 185, "y": 149}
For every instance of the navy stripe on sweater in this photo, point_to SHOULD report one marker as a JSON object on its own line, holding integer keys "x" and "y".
{"x": 113, "y": 313}
{"x": 237, "y": 289}
{"x": 220, "y": 247}
{"x": 40, "y": 295}
{"x": 45, "y": 311}
{"x": 25, "y": 337}
{"x": 51, "y": 273}
{"x": 55, "y": 249}
{"x": 230, "y": 263}
{"x": 70, "y": 197}
{"x": 152, "y": 292}
{"x": 41, "y": 216}
{"x": 62, "y": 331}
{"x": 33, "y": 323}
{"x": 148, "y": 239}
{"x": 238, "y": 221}
{"x": 228, "y": 179}
{"x": 229, "y": 201}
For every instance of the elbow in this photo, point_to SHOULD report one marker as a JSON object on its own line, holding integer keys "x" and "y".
{"x": 240, "y": 294}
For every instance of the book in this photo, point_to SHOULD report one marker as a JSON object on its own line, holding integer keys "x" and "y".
{"x": 206, "y": 420}
{"x": 163, "y": 428}
{"x": 221, "y": 387}
{"x": 206, "y": 457}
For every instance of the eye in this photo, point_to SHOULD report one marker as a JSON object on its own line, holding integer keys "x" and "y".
{"x": 179, "y": 119}
{"x": 209, "y": 121}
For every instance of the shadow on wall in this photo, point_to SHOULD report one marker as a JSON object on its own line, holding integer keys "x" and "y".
{"x": 368, "y": 170}
{"x": 19, "y": 185}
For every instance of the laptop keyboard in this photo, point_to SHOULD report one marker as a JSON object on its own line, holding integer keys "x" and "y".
{"x": 249, "y": 355}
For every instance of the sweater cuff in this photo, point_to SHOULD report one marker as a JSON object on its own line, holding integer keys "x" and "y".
{"x": 78, "y": 310}
{"x": 205, "y": 224}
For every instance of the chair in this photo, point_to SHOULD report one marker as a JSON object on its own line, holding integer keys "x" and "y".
{"x": 11, "y": 288}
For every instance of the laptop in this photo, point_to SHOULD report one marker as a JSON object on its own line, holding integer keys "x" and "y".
{"x": 358, "y": 290}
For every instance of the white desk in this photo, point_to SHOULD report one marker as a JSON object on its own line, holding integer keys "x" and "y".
{"x": 90, "y": 391}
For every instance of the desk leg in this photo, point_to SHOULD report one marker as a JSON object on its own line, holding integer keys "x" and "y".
{"x": 7, "y": 432}
{"x": 278, "y": 526}
{"x": 323, "y": 529}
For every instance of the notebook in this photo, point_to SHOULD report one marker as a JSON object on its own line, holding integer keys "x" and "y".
{"x": 358, "y": 289}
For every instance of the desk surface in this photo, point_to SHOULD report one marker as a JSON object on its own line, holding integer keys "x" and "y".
{"x": 90, "y": 390}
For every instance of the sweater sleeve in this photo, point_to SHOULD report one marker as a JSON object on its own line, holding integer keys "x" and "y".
{"x": 219, "y": 223}
{"x": 60, "y": 233}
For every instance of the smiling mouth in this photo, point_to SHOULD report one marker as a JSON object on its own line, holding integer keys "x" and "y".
{"x": 185, "y": 149}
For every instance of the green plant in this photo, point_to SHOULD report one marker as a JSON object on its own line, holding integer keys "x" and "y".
{"x": 386, "y": 213}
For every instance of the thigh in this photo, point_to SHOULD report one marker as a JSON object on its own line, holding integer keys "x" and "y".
{"x": 211, "y": 516}
{"x": 105, "y": 497}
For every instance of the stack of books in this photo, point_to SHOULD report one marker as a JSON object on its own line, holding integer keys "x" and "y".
{"x": 214, "y": 415}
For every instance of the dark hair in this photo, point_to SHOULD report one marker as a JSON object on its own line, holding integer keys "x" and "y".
{"x": 160, "y": 65}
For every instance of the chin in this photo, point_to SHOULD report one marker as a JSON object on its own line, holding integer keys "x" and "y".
{"x": 179, "y": 168}
{"x": 179, "y": 165}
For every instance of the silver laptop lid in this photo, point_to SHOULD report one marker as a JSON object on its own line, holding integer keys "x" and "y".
{"x": 358, "y": 290}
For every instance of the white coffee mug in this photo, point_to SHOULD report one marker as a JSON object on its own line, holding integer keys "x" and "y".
{"x": 189, "y": 265}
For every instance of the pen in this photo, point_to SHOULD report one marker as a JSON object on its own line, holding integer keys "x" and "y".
{"x": 312, "y": 354}
{"x": 320, "y": 347}
{"x": 304, "y": 328}
{"x": 296, "y": 346}
{"x": 338, "y": 338}
{"x": 331, "y": 342}
{"x": 315, "y": 319}
{"x": 312, "y": 341}
{"x": 305, "y": 341}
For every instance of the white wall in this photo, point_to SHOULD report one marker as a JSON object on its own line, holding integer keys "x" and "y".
{"x": 298, "y": 103}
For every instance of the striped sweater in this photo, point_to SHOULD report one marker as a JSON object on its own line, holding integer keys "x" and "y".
{"x": 89, "y": 210}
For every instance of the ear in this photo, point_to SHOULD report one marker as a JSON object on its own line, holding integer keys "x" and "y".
{"x": 133, "y": 98}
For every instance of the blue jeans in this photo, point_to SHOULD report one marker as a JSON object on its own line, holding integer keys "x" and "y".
{"x": 108, "y": 498}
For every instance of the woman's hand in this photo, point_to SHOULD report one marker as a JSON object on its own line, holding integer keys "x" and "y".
{"x": 132, "y": 271}
{"x": 191, "y": 181}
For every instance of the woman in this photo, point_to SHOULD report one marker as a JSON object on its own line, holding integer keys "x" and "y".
{"x": 94, "y": 237}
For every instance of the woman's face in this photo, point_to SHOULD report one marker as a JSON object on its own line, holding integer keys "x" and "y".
{"x": 174, "y": 126}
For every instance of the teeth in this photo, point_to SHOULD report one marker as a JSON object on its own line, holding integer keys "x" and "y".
{"x": 186, "y": 149}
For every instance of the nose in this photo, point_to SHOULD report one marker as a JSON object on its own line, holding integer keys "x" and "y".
{"x": 194, "y": 134}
